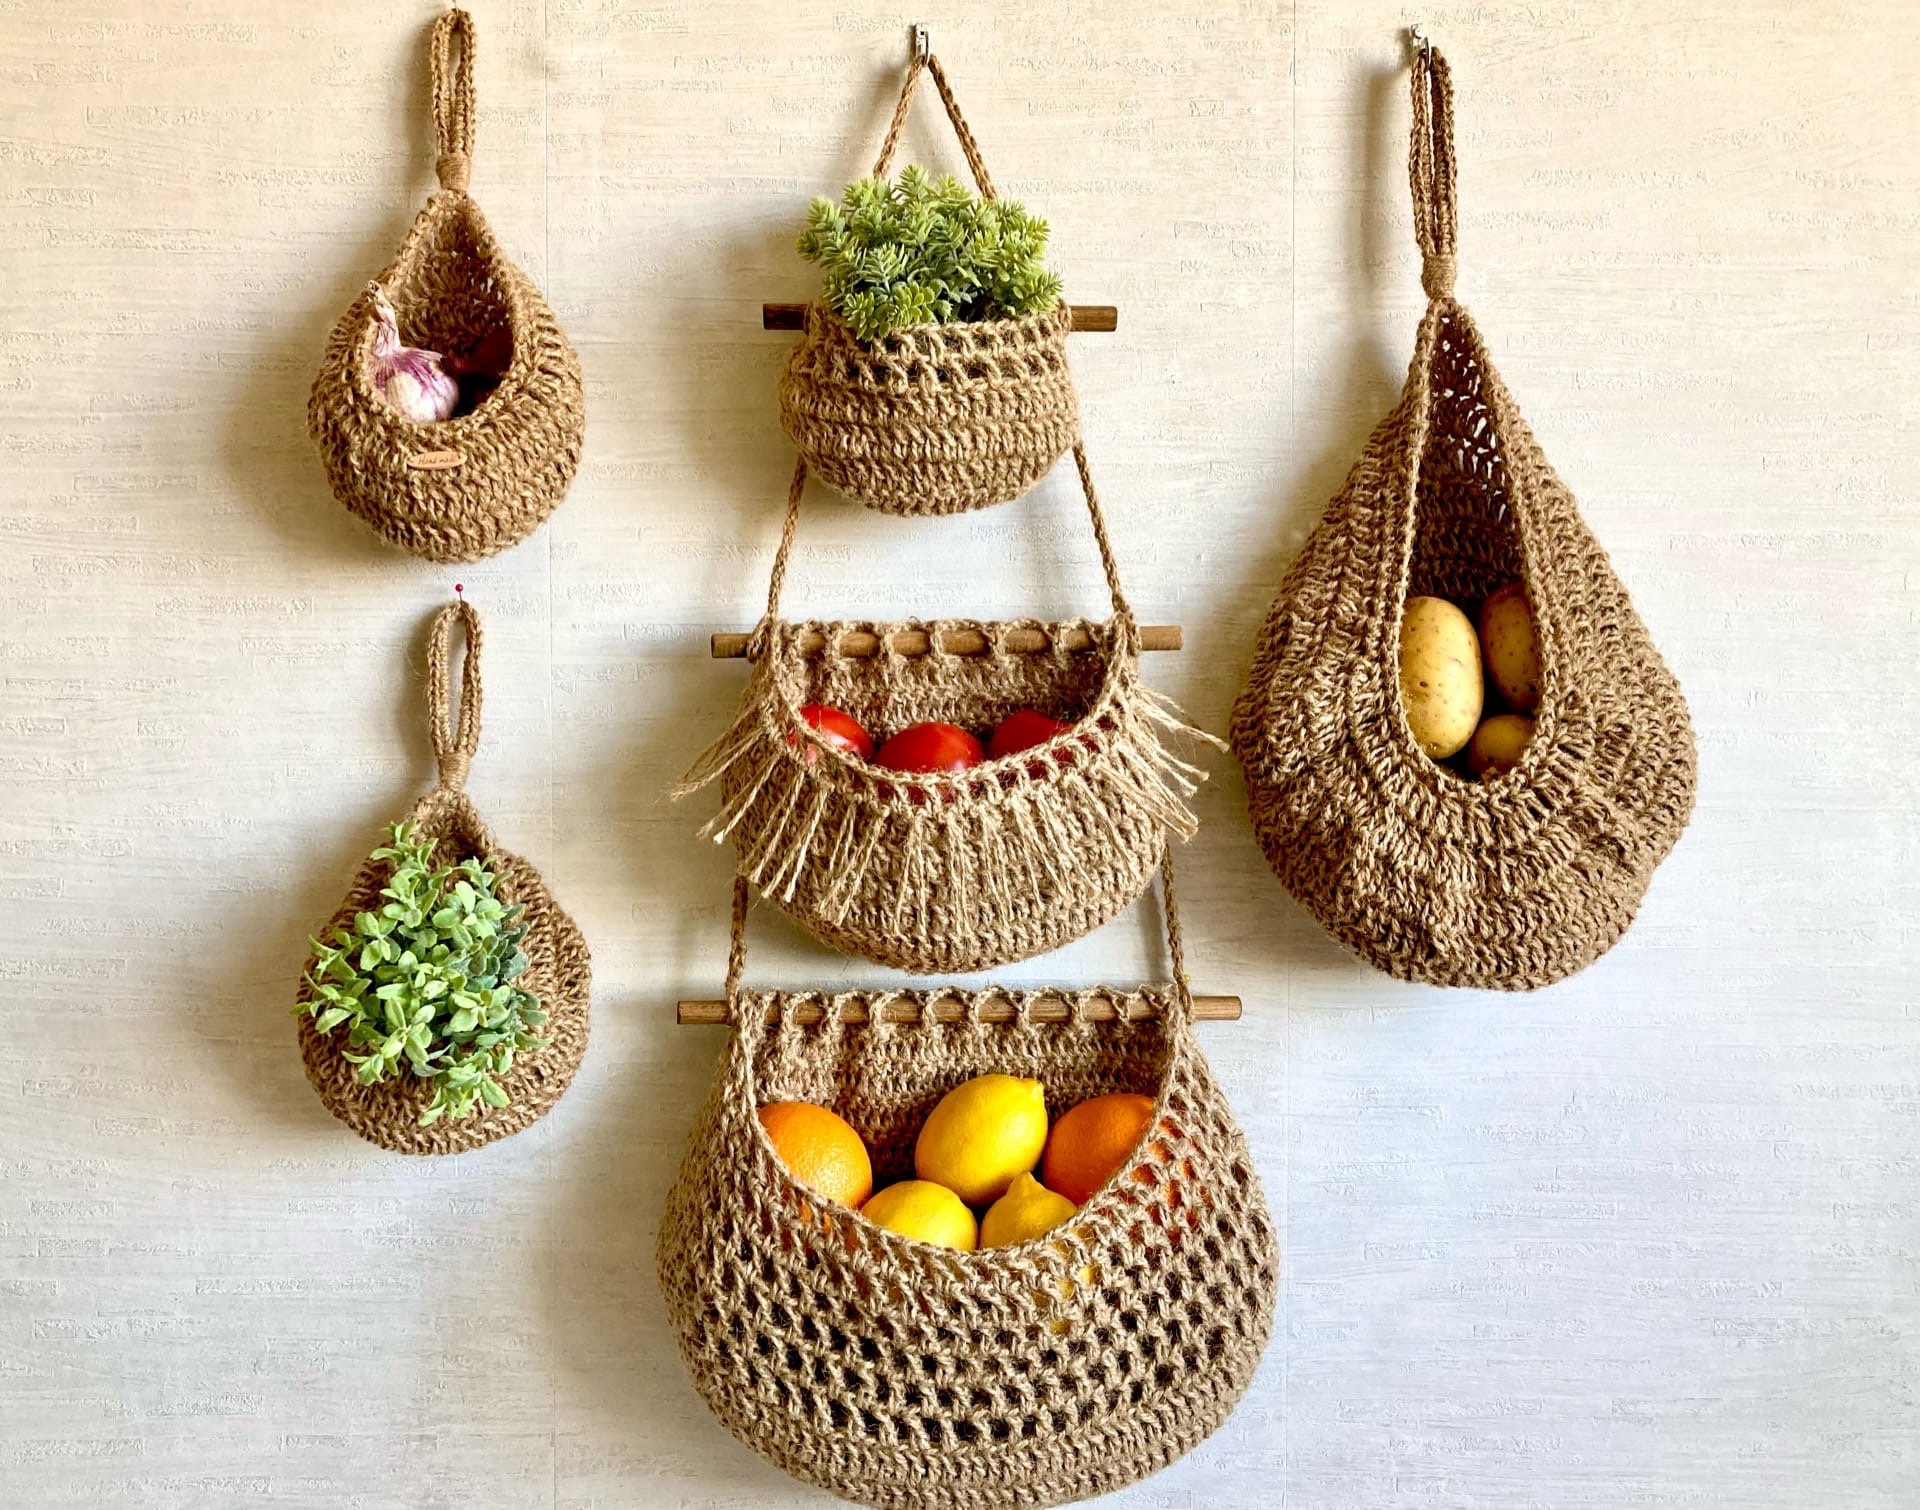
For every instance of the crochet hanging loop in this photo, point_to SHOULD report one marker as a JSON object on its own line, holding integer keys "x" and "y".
{"x": 456, "y": 734}
{"x": 453, "y": 100}
{"x": 1432, "y": 168}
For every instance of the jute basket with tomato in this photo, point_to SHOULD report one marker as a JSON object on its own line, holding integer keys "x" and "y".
{"x": 1530, "y": 862}
{"x": 945, "y": 812}
{"x": 939, "y": 1262}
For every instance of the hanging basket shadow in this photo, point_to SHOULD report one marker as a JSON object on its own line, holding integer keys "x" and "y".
{"x": 1521, "y": 880}
{"x": 899, "y": 1374}
{"x": 932, "y": 419}
{"x": 470, "y": 486}
{"x": 559, "y": 970}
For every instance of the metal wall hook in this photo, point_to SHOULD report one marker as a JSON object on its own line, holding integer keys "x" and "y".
{"x": 922, "y": 43}
{"x": 1417, "y": 35}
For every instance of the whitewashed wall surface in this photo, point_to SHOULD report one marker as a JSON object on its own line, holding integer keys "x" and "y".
{"x": 1648, "y": 1238}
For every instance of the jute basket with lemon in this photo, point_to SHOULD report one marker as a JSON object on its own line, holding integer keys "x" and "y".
{"x": 968, "y": 1262}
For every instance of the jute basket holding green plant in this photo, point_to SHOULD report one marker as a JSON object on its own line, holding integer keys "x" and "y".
{"x": 933, "y": 376}
{"x": 445, "y": 1003}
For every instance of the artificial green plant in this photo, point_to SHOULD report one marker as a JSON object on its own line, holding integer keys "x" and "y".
{"x": 926, "y": 250}
{"x": 426, "y": 984}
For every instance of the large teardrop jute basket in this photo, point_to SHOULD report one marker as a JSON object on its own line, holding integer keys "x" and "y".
{"x": 1519, "y": 881}
{"x": 955, "y": 873}
{"x": 473, "y": 485}
{"x": 934, "y": 419}
{"x": 558, "y": 969}
{"x": 895, "y": 1373}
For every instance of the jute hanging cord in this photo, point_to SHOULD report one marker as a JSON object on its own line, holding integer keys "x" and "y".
{"x": 933, "y": 419}
{"x": 471, "y": 485}
{"x": 558, "y": 969}
{"x": 899, "y": 1374}
{"x": 1513, "y": 882}
{"x": 940, "y": 874}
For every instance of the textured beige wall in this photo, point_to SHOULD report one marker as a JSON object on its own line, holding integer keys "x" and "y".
{"x": 1648, "y": 1238}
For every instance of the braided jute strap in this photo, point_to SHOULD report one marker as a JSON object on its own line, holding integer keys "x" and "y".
{"x": 453, "y": 99}
{"x": 961, "y": 130}
{"x": 1433, "y": 171}
{"x": 456, "y": 734}
{"x": 1109, "y": 564}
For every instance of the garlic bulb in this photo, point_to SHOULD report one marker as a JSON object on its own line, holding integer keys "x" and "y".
{"x": 411, "y": 380}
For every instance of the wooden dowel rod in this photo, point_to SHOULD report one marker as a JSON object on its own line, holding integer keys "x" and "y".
{"x": 1050, "y": 1008}
{"x": 860, "y": 643}
{"x": 1090, "y": 318}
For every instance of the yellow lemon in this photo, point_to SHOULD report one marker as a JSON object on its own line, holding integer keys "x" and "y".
{"x": 981, "y": 1135}
{"x": 927, "y": 1212}
{"x": 1026, "y": 1210}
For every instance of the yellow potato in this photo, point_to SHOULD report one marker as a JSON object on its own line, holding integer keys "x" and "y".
{"x": 1439, "y": 676}
{"x": 1512, "y": 646}
{"x": 1498, "y": 744}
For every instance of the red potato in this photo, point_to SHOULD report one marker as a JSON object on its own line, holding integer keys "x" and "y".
{"x": 841, "y": 730}
{"x": 1022, "y": 731}
{"x": 930, "y": 749}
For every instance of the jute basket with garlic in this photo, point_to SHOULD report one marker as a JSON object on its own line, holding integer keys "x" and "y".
{"x": 449, "y": 408}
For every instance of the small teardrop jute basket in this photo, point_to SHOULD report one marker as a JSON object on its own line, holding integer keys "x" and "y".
{"x": 933, "y": 419}
{"x": 475, "y": 484}
{"x": 1521, "y": 880}
{"x": 948, "y": 874}
{"x": 558, "y": 970}
{"x": 896, "y": 1373}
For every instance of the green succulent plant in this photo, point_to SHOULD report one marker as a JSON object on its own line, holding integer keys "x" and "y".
{"x": 425, "y": 984}
{"x": 926, "y": 250}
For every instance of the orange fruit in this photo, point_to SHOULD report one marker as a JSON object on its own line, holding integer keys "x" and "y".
{"x": 1090, "y": 1143}
{"x": 820, "y": 1150}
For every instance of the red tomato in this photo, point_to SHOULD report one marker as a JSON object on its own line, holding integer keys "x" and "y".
{"x": 1022, "y": 731}
{"x": 930, "y": 748}
{"x": 841, "y": 730}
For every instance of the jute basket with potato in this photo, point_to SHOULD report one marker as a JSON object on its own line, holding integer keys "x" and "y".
{"x": 897, "y": 1373}
{"x": 1530, "y": 873}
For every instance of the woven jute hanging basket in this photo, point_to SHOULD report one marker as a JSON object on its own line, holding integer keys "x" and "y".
{"x": 1519, "y": 881}
{"x": 558, "y": 970}
{"x": 933, "y": 419}
{"x": 899, "y": 1374}
{"x": 944, "y": 874}
{"x": 475, "y": 484}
